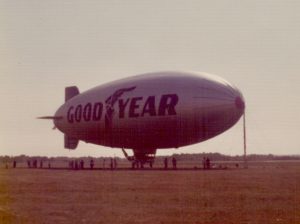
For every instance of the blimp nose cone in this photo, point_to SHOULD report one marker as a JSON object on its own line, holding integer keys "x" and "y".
{"x": 58, "y": 122}
{"x": 239, "y": 103}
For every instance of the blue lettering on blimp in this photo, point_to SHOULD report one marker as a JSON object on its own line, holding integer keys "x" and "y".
{"x": 134, "y": 107}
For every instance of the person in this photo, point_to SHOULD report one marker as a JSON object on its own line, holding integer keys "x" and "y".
{"x": 49, "y": 165}
{"x": 76, "y": 165}
{"x": 166, "y": 163}
{"x": 111, "y": 164}
{"x": 132, "y": 165}
{"x": 103, "y": 164}
{"x": 207, "y": 163}
{"x": 72, "y": 164}
{"x": 35, "y": 163}
{"x": 15, "y": 164}
{"x": 115, "y": 163}
{"x": 204, "y": 163}
{"x": 81, "y": 164}
{"x": 92, "y": 164}
{"x": 41, "y": 164}
{"x": 174, "y": 162}
{"x": 151, "y": 164}
{"x": 28, "y": 164}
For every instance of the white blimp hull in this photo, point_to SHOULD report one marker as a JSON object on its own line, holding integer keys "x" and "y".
{"x": 150, "y": 111}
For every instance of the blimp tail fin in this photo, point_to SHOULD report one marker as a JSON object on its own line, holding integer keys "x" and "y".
{"x": 70, "y": 92}
{"x": 70, "y": 143}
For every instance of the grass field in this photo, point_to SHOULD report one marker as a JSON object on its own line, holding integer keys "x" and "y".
{"x": 264, "y": 193}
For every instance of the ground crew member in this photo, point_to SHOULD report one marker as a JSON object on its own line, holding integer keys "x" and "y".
{"x": 35, "y": 163}
{"x": 92, "y": 164}
{"x": 76, "y": 165}
{"x": 111, "y": 164}
{"x": 81, "y": 164}
{"x": 207, "y": 163}
{"x": 166, "y": 163}
{"x": 115, "y": 163}
{"x": 103, "y": 165}
{"x": 15, "y": 164}
{"x": 28, "y": 164}
{"x": 174, "y": 162}
{"x": 151, "y": 164}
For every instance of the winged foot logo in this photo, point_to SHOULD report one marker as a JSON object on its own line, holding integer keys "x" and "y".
{"x": 110, "y": 102}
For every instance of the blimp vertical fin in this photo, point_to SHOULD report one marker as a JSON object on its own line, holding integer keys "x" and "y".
{"x": 70, "y": 92}
{"x": 70, "y": 143}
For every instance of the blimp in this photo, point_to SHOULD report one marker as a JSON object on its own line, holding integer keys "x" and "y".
{"x": 149, "y": 112}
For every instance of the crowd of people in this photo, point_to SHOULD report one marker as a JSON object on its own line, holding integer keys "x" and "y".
{"x": 206, "y": 163}
{"x": 174, "y": 163}
{"x": 34, "y": 164}
{"x": 80, "y": 164}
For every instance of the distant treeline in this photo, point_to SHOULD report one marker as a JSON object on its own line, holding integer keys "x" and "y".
{"x": 179, "y": 157}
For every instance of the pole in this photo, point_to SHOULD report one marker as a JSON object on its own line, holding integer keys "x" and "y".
{"x": 245, "y": 145}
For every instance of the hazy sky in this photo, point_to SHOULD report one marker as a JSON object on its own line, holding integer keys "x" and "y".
{"x": 47, "y": 45}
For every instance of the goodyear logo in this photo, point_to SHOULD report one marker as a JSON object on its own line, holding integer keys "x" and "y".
{"x": 127, "y": 107}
